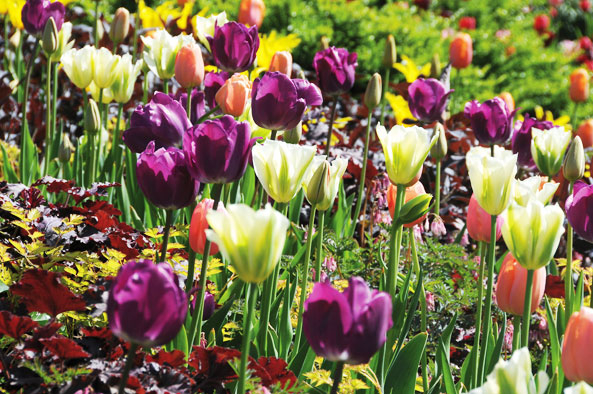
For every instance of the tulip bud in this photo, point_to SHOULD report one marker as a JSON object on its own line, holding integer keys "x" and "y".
{"x": 324, "y": 42}
{"x": 50, "y": 36}
{"x": 199, "y": 225}
{"x": 435, "y": 66}
{"x": 92, "y": 117}
{"x": 189, "y": 66}
{"x": 579, "y": 85}
{"x": 415, "y": 209}
{"x": 120, "y": 25}
{"x": 389, "y": 53}
{"x": 66, "y": 149}
{"x": 318, "y": 187}
{"x": 293, "y": 136}
{"x": 461, "y": 51}
{"x": 439, "y": 150}
{"x": 413, "y": 191}
{"x": 574, "y": 161}
{"x": 372, "y": 95}
{"x": 282, "y": 62}
{"x": 234, "y": 95}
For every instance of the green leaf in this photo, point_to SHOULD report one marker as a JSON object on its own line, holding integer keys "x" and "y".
{"x": 445, "y": 368}
{"x": 554, "y": 340}
{"x": 7, "y": 169}
{"x": 285, "y": 326}
{"x": 401, "y": 376}
{"x": 495, "y": 354}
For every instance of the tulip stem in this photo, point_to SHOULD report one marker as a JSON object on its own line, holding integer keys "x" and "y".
{"x": 6, "y": 42}
{"x": 145, "y": 88}
{"x": 136, "y": 27}
{"x": 338, "y": 372}
{"x": 96, "y": 32}
{"x": 331, "y": 126}
{"x": 189, "y": 104}
{"x": 207, "y": 114}
{"x": 115, "y": 143}
{"x": 319, "y": 246}
{"x": 273, "y": 134}
{"x": 25, "y": 125}
{"x": 196, "y": 319}
{"x": 304, "y": 278}
{"x": 568, "y": 285}
{"x": 527, "y": 309}
{"x": 126, "y": 372}
{"x": 437, "y": 191}
{"x": 573, "y": 119}
{"x": 168, "y": 223}
{"x": 48, "y": 122}
{"x": 481, "y": 253}
{"x": 516, "y": 332}
{"x": 250, "y": 295}
{"x": 487, "y": 323}
{"x": 362, "y": 179}
{"x": 166, "y": 86}
{"x": 54, "y": 99}
{"x": 383, "y": 100}
{"x": 395, "y": 242}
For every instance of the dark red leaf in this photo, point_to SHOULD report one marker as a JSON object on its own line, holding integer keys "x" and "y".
{"x": 273, "y": 370}
{"x": 103, "y": 333}
{"x": 554, "y": 286}
{"x": 15, "y": 326}
{"x": 42, "y": 292}
{"x": 63, "y": 347}
{"x": 55, "y": 185}
{"x": 174, "y": 359}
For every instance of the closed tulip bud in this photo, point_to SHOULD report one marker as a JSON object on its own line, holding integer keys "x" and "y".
{"x": 120, "y": 26}
{"x": 439, "y": 150}
{"x": 50, "y": 37}
{"x": 478, "y": 222}
{"x": 417, "y": 189}
{"x": 405, "y": 150}
{"x": 293, "y": 136}
{"x": 189, "y": 66}
{"x": 511, "y": 283}
{"x": 577, "y": 345}
{"x": 461, "y": 51}
{"x": 548, "y": 148}
{"x": 579, "y": 85}
{"x": 234, "y": 95}
{"x": 282, "y": 62}
{"x": 92, "y": 117}
{"x": 574, "y": 161}
{"x": 64, "y": 43}
{"x": 435, "y": 66}
{"x": 508, "y": 99}
{"x": 322, "y": 181}
{"x": 251, "y": 240}
{"x": 390, "y": 52}
{"x": 416, "y": 210}
{"x": 66, "y": 148}
{"x": 199, "y": 225}
{"x": 532, "y": 233}
{"x": 372, "y": 95}
{"x": 318, "y": 185}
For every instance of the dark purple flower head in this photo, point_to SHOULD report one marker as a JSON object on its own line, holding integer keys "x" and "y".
{"x": 163, "y": 120}
{"x": 335, "y": 69}
{"x": 198, "y": 105}
{"x": 164, "y": 178}
{"x": 35, "y": 14}
{"x": 278, "y": 102}
{"x": 146, "y": 306}
{"x": 234, "y": 46}
{"x": 521, "y": 140}
{"x": 217, "y": 151}
{"x": 428, "y": 98}
{"x": 209, "y": 305}
{"x": 491, "y": 121}
{"x": 349, "y": 326}
{"x": 212, "y": 83}
{"x": 579, "y": 210}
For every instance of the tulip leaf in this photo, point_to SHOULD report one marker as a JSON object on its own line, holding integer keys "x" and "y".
{"x": 445, "y": 338}
{"x": 29, "y": 162}
{"x": 414, "y": 209}
{"x": 410, "y": 313}
{"x": 554, "y": 340}
{"x": 467, "y": 368}
{"x": 303, "y": 360}
{"x": 248, "y": 183}
{"x": 294, "y": 209}
{"x": 401, "y": 376}
{"x": 180, "y": 341}
{"x": 446, "y": 369}
{"x": 285, "y": 326}
{"x": 7, "y": 169}
{"x": 578, "y": 300}
{"x": 495, "y": 354}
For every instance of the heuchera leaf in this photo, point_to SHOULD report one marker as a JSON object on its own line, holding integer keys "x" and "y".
{"x": 15, "y": 326}
{"x": 42, "y": 292}
{"x": 63, "y": 347}
{"x": 554, "y": 286}
{"x": 272, "y": 370}
{"x": 175, "y": 359}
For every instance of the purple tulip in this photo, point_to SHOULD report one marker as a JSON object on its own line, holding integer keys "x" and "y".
{"x": 146, "y": 306}
{"x": 163, "y": 120}
{"x": 234, "y": 46}
{"x": 212, "y": 83}
{"x": 278, "y": 102}
{"x": 164, "y": 178}
{"x": 349, "y": 326}
{"x": 217, "y": 151}
{"x": 428, "y": 98}
{"x": 209, "y": 305}
{"x": 198, "y": 105}
{"x": 491, "y": 121}
{"x": 579, "y": 210}
{"x": 35, "y": 14}
{"x": 335, "y": 69}
{"x": 521, "y": 140}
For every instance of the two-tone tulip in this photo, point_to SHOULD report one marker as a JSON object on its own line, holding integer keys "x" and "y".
{"x": 78, "y": 65}
{"x": 521, "y": 140}
{"x": 127, "y": 72}
{"x": 204, "y": 27}
{"x": 322, "y": 182}
{"x": 534, "y": 187}
{"x": 160, "y": 52}
{"x": 104, "y": 67}
{"x": 548, "y": 148}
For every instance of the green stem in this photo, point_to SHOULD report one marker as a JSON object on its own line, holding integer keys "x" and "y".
{"x": 25, "y": 125}
{"x": 527, "y": 309}
{"x": 188, "y": 109}
{"x": 362, "y": 179}
{"x": 573, "y": 119}
{"x": 191, "y": 260}
{"x": 319, "y": 246}
{"x": 395, "y": 242}
{"x": 126, "y": 372}
{"x": 437, "y": 192}
{"x": 516, "y": 332}
{"x": 166, "y": 86}
{"x": 136, "y": 27}
{"x": 568, "y": 285}
{"x": 337, "y": 377}
{"x": 18, "y": 64}
{"x": 251, "y": 294}
{"x": 91, "y": 140}
{"x": 273, "y": 134}
{"x": 331, "y": 126}
{"x": 196, "y": 320}
{"x": 481, "y": 252}
{"x": 383, "y": 100}
{"x": 145, "y": 88}
{"x": 207, "y": 114}
{"x": 423, "y": 307}
{"x": 168, "y": 224}
{"x": 48, "y": 122}
{"x": 6, "y": 61}
{"x": 54, "y": 99}
{"x": 305, "y": 278}
{"x": 488, "y": 309}
{"x": 96, "y": 30}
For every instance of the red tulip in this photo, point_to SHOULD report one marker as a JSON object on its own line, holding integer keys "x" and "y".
{"x": 461, "y": 50}
{"x": 576, "y": 349}
{"x": 541, "y": 23}
{"x": 467, "y": 23}
{"x": 198, "y": 226}
{"x": 585, "y": 5}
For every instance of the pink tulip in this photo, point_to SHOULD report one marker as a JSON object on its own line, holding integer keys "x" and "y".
{"x": 510, "y": 286}
{"x": 198, "y": 226}
{"x": 189, "y": 66}
{"x": 478, "y": 222}
{"x": 282, "y": 62}
{"x": 576, "y": 349}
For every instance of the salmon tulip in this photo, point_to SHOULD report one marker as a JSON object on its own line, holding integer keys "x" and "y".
{"x": 461, "y": 51}
{"x": 510, "y": 286}
{"x": 411, "y": 192}
{"x": 576, "y": 349}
